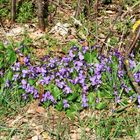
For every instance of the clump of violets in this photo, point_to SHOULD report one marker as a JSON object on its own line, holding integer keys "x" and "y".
{"x": 69, "y": 80}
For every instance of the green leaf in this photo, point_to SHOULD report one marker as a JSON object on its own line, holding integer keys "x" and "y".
{"x": 91, "y": 57}
{"x": 47, "y": 104}
{"x": 56, "y": 92}
{"x": 72, "y": 97}
{"x": 76, "y": 107}
{"x": 101, "y": 105}
{"x": 71, "y": 113}
{"x": 11, "y": 56}
{"x": 9, "y": 75}
{"x": 91, "y": 98}
{"x": 1, "y": 46}
{"x": 1, "y": 64}
{"x": 31, "y": 82}
{"x": 100, "y": 94}
{"x": 59, "y": 106}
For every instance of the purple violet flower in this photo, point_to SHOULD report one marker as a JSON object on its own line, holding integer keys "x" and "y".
{"x": 48, "y": 96}
{"x": 7, "y": 83}
{"x": 24, "y": 73}
{"x": 99, "y": 67}
{"x": 137, "y": 77}
{"x": 82, "y": 80}
{"x": 16, "y": 66}
{"x": 24, "y": 96}
{"x": 65, "y": 103}
{"x": 132, "y": 55}
{"x": 97, "y": 100}
{"x": 59, "y": 75}
{"x": 23, "y": 82}
{"x": 131, "y": 98}
{"x": 117, "y": 53}
{"x": 29, "y": 89}
{"x": 93, "y": 80}
{"x": 138, "y": 101}
{"x": 1, "y": 73}
{"x": 37, "y": 69}
{"x": 76, "y": 80}
{"x": 36, "y": 95}
{"x": 84, "y": 49}
{"x": 60, "y": 84}
{"x": 78, "y": 65}
{"x": 67, "y": 90}
{"x": 115, "y": 92}
{"x": 71, "y": 54}
{"x": 26, "y": 60}
{"x": 81, "y": 57}
{"x": 126, "y": 88}
{"x": 66, "y": 60}
{"x": 120, "y": 73}
{"x": 43, "y": 71}
{"x": 74, "y": 48}
{"x": 117, "y": 99}
{"x": 96, "y": 80}
{"x": 108, "y": 68}
{"x": 45, "y": 80}
{"x": 51, "y": 65}
{"x": 132, "y": 64}
{"x": 15, "y": 76}
{"x": 84, "y": 101}
{"x": 85, "y": 88}
{"x": 62, "y": 71}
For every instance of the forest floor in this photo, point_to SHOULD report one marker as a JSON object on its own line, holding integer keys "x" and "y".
{"x": 33, "y": 122}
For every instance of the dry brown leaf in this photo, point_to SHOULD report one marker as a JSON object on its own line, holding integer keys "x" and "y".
{"x": 38, "y": 129}
{"x": 36, "y": 35}
{"x": 71, "y": 37}
{"x": 16, "y": 138}
{"x": 84, "y": 43}
{"x": 21, "y": 60}
{"x": 46, "y": 136}
{"x": 32, "y": 108}
{"x": 40, "y": 110}
{"x": 41, "y": 91}
{"x": 40, "y": 52}
{"x": 15, "y": 121}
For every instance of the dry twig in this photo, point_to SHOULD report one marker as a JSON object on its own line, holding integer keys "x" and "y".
{"x": 126, "y": 61}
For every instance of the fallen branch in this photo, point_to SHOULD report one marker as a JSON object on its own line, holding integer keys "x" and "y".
{"x": 126, "y": 61}
{"x": 131, "y": 77}
{"x": 135, "y": 39}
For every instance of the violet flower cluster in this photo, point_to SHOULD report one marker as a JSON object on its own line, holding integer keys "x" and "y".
{"x": 69, "y": 71}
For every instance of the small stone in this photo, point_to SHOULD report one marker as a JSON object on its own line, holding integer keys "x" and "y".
{"x": 35, "y": 138}
{"x": 87, "y": 129}
{"x": 15, "y": 138}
